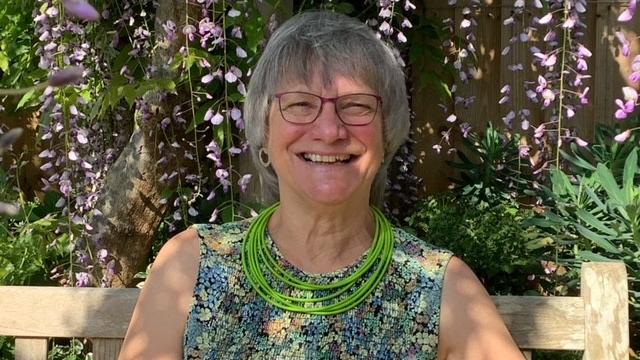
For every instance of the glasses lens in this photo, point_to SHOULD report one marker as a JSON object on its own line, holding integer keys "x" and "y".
{"x": 300, "y": 108}
{"x": 357, "y": 109}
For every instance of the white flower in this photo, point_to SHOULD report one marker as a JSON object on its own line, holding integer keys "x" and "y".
{"x": 630, "y": 94}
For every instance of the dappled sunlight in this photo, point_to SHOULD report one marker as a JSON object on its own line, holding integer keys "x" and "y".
{"x": 624, "y": 62}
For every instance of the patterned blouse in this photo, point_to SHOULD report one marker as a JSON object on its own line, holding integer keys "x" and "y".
{"x": 228, "y": 320}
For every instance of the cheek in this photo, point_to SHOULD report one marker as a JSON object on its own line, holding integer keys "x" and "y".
{"x": 376, "y": 139}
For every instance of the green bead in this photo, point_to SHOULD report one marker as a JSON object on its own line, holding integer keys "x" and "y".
{"x": 257, "y": 260}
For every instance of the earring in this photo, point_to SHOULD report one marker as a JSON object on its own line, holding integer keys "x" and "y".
{"x": 262, "y": 154}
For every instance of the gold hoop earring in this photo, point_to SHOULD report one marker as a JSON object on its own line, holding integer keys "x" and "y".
{"x": 262, "y": 154}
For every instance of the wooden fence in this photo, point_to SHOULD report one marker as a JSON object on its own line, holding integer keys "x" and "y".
{"x": 607, "y": 66}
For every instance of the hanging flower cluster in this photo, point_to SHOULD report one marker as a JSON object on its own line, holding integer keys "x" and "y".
{"x": 390, "y": 25}
{"x": 74, "y": 162}
{"x": 554, "y": 39}
{"x": 392, "y": 20}
{"x": 215, "y": 62}
{"x": 461, "y": 53}
{"x": 627, "y": 105}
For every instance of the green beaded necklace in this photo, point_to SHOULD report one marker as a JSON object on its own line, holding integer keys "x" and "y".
{"x": 257, "y": 260}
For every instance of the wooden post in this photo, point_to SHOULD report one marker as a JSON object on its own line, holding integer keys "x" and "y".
{"x": 106, "y": 349}
{"x": 606, "y": 314}
{"x": 31, "y": 349}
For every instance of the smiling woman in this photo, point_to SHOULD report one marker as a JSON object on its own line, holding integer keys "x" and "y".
{"x": 320, "y": 273}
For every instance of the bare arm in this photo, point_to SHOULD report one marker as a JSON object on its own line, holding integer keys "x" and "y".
{"x": 158, "y": 321}
{"x": 470, "y": 325}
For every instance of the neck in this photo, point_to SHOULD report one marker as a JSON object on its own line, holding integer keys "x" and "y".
{"x": 322, "y": 239}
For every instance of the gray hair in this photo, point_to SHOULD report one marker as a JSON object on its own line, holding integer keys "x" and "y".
{"x": 329, "y": 44}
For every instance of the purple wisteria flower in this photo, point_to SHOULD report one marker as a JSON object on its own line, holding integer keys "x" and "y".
{"x": 627, "y": 106}
{"x": 623, "y": 136}
{"x": 66, "y": 76}
{"x": 244, "y": 181}
{"x": 81, "y": 10}
{"x": 83, "y": 279}
{"x": 581, "y": 142}
{"x": 634, "y": 77}
{"x": 9, "y": 138}
{"x": 624, "y": 43}
{"x": 629, "y": 12}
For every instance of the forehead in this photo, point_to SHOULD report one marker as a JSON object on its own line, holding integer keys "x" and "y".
{"x": 316, "y": 81}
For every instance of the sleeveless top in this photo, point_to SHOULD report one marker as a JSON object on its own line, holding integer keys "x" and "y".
{"x": 228, "y": 320}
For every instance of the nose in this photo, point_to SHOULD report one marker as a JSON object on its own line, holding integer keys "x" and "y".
{"x": 328, "y": 127}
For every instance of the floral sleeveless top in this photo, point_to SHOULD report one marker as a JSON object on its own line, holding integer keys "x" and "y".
{"x": 228, "y": 320}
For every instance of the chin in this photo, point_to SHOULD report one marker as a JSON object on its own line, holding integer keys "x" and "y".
{"x": 332, "y": 196}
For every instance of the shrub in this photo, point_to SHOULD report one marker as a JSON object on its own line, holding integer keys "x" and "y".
{"x": 490, "y": 239}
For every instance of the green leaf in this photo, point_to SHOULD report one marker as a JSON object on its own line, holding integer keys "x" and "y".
{"x": 630, "y": 169}
{"x": 220, "y": 134}
{"x": 597, "y": 239}
{"x": 590, "y": 219}
{"x": 4, "y": 62}
{"x": 588, "y": 255}
{"x": 539, "y": 243}
{"x": 129, "y": 93}
{"x": 561, "y": 184}
{"x": 28, "y": 96}
{"x": 345, "y": 8}
{"x": 577, "y": 161}
{"x": 594, "y": 197}
{"x": 609, "y": 184}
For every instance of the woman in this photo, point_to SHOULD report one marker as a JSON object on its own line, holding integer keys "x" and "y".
{"x": 321, "y": 274}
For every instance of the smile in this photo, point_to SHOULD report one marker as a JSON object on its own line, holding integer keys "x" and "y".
{"x": 326, "y": 159}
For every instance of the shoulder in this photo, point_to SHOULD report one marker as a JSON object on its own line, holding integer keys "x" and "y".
{"x": 167, "y": 292}
{"x": 470, "y": 325}
{"x": 414, "y": 251}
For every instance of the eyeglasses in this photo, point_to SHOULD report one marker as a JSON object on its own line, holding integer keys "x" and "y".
{"x": 299, "y": 107}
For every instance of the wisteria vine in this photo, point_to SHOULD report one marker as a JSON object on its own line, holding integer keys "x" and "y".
{"x": 554, "y": 39}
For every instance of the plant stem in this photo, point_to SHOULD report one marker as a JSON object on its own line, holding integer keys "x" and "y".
{"x": 565, "y": 37}
{"x": 228, "y": 135}
{"x": 193, "y": 110}
{"x": 22, "y": 91}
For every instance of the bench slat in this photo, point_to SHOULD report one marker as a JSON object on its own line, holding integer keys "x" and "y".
{"x": 31, "y": 349}
{"x": 599, "y": 318}
{"x": 105, "y": 313}
{"x": 536, "y": 322}
{"x": 65, "y": 312}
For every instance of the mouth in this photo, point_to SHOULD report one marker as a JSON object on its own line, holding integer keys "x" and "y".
{"x": 327, "y": 159}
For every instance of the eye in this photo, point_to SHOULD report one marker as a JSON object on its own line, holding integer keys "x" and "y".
{"x": 353, "y": 104}
{"x": 299, "y": 105}
{"x": 357, "y": 105}
{"x": 356, "y": 108}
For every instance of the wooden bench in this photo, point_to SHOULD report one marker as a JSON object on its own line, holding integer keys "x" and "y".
{"x": 596, "y": 322}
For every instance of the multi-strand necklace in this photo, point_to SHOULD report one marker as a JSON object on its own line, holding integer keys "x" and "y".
{"x": 257, "y": 261}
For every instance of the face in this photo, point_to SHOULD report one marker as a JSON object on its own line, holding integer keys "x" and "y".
{"x": 325, "y": 162}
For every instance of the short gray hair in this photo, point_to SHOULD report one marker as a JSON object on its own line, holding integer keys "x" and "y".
{"x": 331, "y": 44}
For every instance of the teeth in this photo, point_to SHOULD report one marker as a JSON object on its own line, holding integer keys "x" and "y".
{"x": 326, "y": 158}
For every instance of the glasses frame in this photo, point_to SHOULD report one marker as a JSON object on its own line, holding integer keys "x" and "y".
{"x": 324, "y": 100}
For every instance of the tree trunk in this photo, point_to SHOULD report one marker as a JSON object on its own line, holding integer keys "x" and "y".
{"x": 130, "y": 204}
